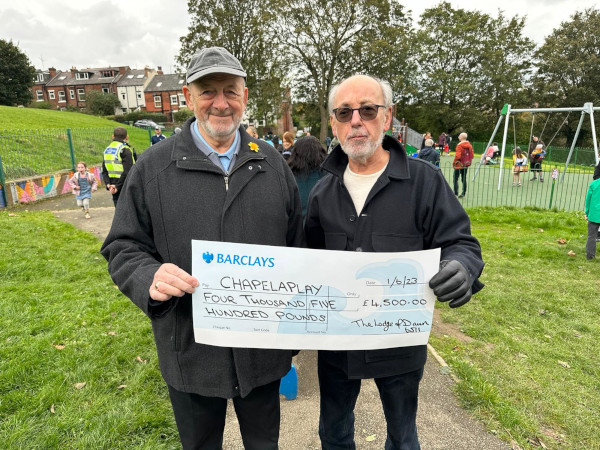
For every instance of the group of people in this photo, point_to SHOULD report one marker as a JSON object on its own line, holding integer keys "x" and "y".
{"x": 215, "y": 181}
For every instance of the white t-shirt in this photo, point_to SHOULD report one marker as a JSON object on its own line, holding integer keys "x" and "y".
{"x": 359, "y": 186}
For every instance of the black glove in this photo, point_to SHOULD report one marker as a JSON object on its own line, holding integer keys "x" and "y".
{"x": 453, "y": 283}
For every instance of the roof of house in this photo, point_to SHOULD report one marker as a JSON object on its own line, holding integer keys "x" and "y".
{"x": 134, "y": 77}
{"x": 73, "y": 77}
{"x": 170, "y": 82}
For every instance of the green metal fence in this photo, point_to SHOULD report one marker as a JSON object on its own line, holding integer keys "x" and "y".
{"x": 27, "y": 153}
{"x": 564, "y": 193}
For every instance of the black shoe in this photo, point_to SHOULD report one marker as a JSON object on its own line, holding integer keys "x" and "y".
{"x": 461, "y": 195}
{"x": 531, "y": 179}
{"x": 541, "y": 180}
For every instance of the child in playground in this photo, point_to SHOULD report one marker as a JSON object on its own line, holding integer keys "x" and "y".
{"x": 83, "y": 184}
{"x": 519, "y": 163}
{"x": 592, "y": 215}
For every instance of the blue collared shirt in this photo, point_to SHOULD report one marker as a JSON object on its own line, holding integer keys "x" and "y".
{"x": 223, "y": 160}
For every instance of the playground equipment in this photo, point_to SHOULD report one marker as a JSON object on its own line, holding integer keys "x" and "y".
{"x": 587, "y": 108}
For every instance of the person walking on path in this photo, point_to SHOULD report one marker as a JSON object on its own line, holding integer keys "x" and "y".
{"x": 375, "y": 198}
{"x": 118, "y": 160}
{"x": 212, "y": 182}
{"x": 592, "y": 215}
{"x": 83, "y": 184}
{"x": 462, "y": 160}
{"x": 158, "y": 136}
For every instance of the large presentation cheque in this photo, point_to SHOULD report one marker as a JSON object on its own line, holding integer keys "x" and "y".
{"x": 261, "y": 296}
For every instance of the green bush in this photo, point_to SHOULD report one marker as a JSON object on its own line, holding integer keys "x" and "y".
{"x": 40, "y": 105}
{"x": 137, "y": 115}
{"x": 182, "y": 115}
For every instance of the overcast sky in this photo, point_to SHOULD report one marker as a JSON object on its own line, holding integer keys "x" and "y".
{"x": 138, "y": 33}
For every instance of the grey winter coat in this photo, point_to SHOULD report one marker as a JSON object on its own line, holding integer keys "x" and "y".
{"x": 174, "y": 194}
{"x": 410, "y": 208}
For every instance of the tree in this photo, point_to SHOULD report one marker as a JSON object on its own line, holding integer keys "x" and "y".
{"x": 16, "y": 75}
{"x": 101, "y": 104}
{"x": 251, "y": 40}
{"x": 329, "y": 40}
{"x": 568, "y": 68}
{"x": 469, "y": 62}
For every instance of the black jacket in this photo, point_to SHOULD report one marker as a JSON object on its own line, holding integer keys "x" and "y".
{"x": 430, "y": 154}
{"x": 410, "y": 208}
{"x": 174, "y": 194}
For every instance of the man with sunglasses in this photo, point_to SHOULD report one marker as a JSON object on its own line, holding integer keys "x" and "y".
{"x": 376, "y": 199}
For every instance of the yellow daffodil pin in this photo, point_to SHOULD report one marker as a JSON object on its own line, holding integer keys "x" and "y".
{"x": 253, "y": 146}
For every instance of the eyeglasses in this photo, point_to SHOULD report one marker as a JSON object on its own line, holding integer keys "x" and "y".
{"x": 366, "y": 112}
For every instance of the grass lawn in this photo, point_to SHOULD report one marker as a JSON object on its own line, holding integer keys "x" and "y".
{"x": 78, "y": 366}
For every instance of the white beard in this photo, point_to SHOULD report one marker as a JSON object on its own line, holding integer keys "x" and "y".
{"x": 361, "y": 151}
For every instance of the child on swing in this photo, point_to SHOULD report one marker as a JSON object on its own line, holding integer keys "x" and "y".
{"x": 519, "y": 163}
{"x": 83, "y": 184}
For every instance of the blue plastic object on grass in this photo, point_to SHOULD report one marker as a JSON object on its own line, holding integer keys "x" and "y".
{"x": 289, "y": 384}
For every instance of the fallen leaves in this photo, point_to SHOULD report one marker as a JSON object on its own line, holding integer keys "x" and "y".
{"x": 139, "y": 359}
{"x": 572, "y": 253}
{"x": 58, "y": 346}
{"x": 561, "y": 241}
{"x": 52, "y": 409}
{"x": 541, "y": 230}
{"x": 80, "y": 385}
{"x": 122, "y": 386}
{"x": 371, "y": 438}
{"x": 112, "y": 333}
{"x": 564, "y": 364}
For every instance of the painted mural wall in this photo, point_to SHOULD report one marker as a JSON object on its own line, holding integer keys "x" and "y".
{"x": 40, "y": 187}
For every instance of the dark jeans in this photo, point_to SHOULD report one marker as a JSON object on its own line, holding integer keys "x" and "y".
{"x": 590, "y": 245}
{"x": 399, "y": 397}
{"x": 463, "y": 174}
{"x": 116, "y": 198}
{"x": 201, "y": 420}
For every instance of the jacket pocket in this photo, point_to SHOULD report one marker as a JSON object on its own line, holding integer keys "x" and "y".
{"x": 396, "y": 242}
{"x": 388, "y": 354}
{"x": 335, "y": 241}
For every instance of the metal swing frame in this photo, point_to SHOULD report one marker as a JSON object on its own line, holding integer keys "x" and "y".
{"x": 587, "y": 108}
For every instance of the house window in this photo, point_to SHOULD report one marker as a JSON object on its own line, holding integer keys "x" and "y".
{"x": 39, "y": 78}
{"x": 105, "y": 90}
{"x": 81, "y": 76}
{"x": 157, "y": 101}
{"x": 159, "y": 84}
{"x": 173, "y": 99}
{"x": 40, "y": 95}
{"x": 61, "y": 96}
{"x": 51, "y": 95}
{"x": 81, "y": 95}
{"x": 71, "y": 94}
{"x": 107, "y": 74}
{"x": 182, "y": 100}
{"x": 139, "y": 95}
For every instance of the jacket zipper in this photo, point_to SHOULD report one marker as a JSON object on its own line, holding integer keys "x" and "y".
{"x": 226, "y": 183}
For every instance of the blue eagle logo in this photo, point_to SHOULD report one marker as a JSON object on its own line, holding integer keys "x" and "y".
{"x": 208, "y": 257}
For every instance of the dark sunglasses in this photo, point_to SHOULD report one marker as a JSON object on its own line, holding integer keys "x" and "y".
{"x": 366, "y": 112}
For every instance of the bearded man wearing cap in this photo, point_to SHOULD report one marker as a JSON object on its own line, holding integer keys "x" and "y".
{"x": 211, "y": 181}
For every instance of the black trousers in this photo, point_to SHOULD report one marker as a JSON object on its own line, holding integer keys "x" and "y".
{"x": 463, "y": 175}
{"x": 201, "y": 420}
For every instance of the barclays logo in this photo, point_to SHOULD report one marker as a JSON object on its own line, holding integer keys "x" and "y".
{"x": 239, "y": 260}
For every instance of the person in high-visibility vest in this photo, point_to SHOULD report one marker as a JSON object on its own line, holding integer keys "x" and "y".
{"x": 119, "y": 156}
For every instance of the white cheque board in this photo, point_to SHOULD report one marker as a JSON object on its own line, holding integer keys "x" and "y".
{"x": 260, "y": 296}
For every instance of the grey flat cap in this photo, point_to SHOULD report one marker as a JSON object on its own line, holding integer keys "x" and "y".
{"x": 213, "y": 60}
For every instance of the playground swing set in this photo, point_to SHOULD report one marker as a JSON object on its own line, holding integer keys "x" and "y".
{"x": 587, "y": 108}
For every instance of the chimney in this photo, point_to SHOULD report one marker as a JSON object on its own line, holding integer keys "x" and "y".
{"x": 52, "y": 72}
{"x": 159, "y": 72}
{"x": 73, "y": 70}
{"x": 146, "y": 71}
{"x": 122, "y": 70}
